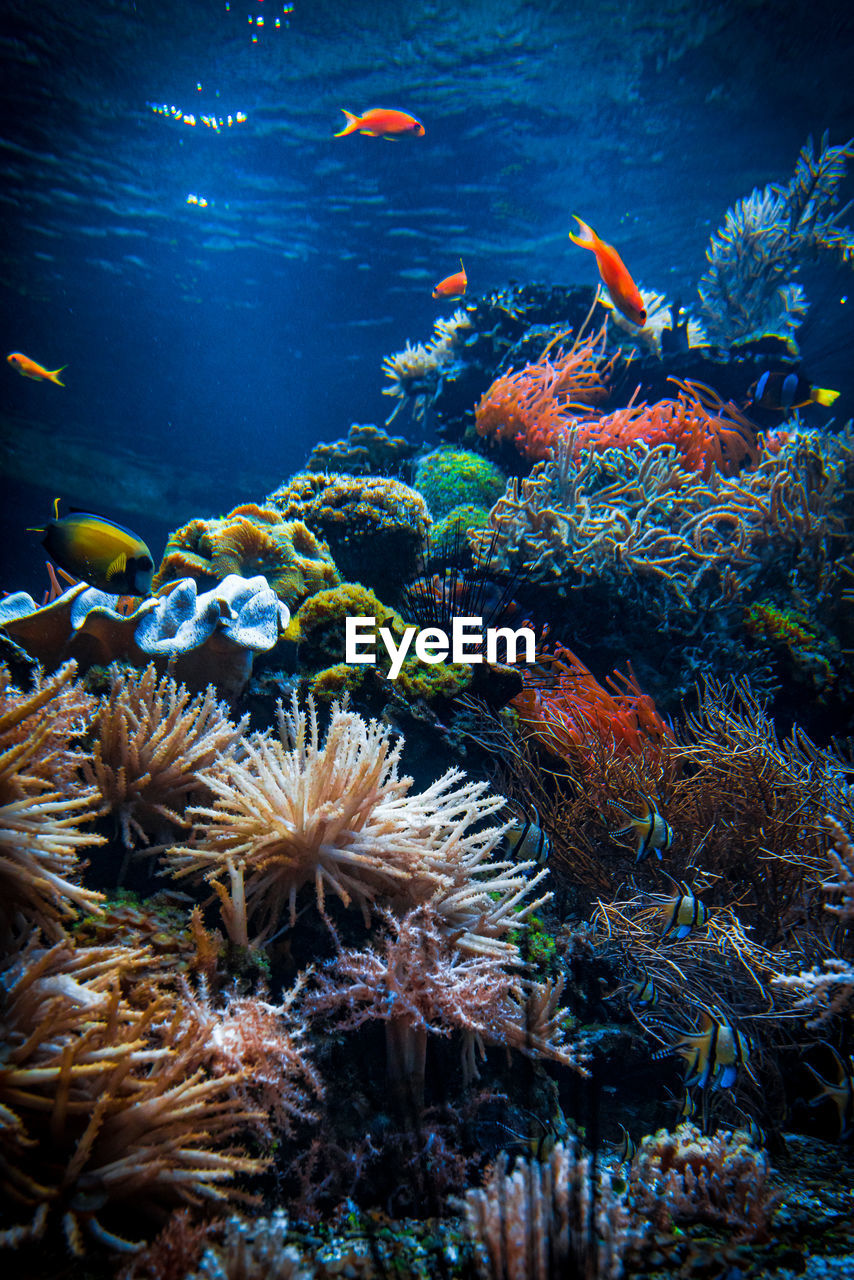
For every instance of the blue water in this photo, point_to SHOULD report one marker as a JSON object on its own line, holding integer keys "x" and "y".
{"x": 209, "y": 346}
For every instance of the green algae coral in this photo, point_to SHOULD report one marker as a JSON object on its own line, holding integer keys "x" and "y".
{"x": 793, "y": 634}
{"x": 319, "y": 630}
{"x": 250, "y": 540}
{"x": 450, "y": 478}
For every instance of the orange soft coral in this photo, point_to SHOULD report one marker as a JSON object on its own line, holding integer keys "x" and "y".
{"x": 707, "y": 432}
{"x": 574, "y": 713}
{"x": 531, "y": 407}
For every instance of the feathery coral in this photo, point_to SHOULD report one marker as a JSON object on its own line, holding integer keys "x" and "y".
{"x": 151, "y": 742}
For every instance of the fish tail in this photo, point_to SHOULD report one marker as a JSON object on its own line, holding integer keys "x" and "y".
{"x": 588, "y": 238}
{"x": 54, "y": 376}
{"x": 822, "y": 395}
{"x": 351, "y": 125}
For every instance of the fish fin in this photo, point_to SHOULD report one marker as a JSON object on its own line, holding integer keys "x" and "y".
{"x": 54, "y": 376}
{"x": 623, "y": 831}
{"x": 386, "y": 136}
{"x": 351, "y": 126}
{"x": 118, "y": 566}
{"x": 823, "y": 395}
{"x": 29, "y": 530}
{"x": 588, "y": 238}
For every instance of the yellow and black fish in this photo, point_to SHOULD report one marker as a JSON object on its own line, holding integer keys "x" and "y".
{"x": 653, "y": 832}
{"x": 98, "y": 551}
{"x": 525, "y": 840}
{"x": 684, "y": 913}
{"x": 784, "y": 391}
{"x": 840, "y": 1092}
{"x": 714, "y": 1054}
{"x": 628, "y": 1148}
{"x": 643, "y": 992}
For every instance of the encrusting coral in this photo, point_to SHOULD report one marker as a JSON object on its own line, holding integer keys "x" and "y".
{"x": 151, "y": 739}
{"x": 249, "y": 541}
{"x": 449, "y": 478}
{"x": 367, "y": 450}
{"x": 373, "y": 524}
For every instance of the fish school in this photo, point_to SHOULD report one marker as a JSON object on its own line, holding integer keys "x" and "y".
{"x": 468, "y": 642}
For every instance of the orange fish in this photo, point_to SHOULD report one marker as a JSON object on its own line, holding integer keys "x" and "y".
{"x": 452, "y": 286}
{"x": 380, "y": 122}
{"x": 622, "y": 288}
{"x": 28, "y": 368}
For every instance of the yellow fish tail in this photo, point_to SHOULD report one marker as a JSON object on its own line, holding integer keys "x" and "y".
{"x": 54, "y": 375}
{"x": 351, "y": 125}
{"x": 822, "y": 395}
{"x": 588, "y": 238}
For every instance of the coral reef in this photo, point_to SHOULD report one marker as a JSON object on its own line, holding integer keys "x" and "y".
{"x": 249, "y": 541}
{"x": 207, "y": 638}
{"x": 415, "y": 373}
{"x": 450, "y": 478}
{"x": 749, "y": 291}
{"x": 151, "y": 741}
{"x": 365, "y": 451}
{"x": 374, "y": 525}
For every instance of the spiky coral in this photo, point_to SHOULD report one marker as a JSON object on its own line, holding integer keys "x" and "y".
{"x": 152, "y": 740}
{"x": 105, "y": 1109}
{"x": 40, "y": 820}
{"x": 558, "y": 1217}
{"x": 296, "y": 811}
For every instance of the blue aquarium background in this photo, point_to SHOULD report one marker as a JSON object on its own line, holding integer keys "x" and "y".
{"x": 535, "y": 967}
{"x": 209, "y": 347}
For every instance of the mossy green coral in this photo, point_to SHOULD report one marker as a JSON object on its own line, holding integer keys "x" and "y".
{"x": 319, "y": 629}
{"x": 451, "y": 531}
{"x": 451, "y": 478}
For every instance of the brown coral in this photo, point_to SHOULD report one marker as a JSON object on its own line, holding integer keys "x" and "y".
{"x": 105, "y": 1106}
{"x": 151, "y": 741}
{"x": 250, "y": 540}
{"x": 373, "y": 524}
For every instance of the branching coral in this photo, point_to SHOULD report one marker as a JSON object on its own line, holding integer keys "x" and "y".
{"x": 261, "y": 1044}
{"x": 685, "y": 1177}
{"x": 559, "y": 1217}
{"x": 151, "y": 742}
{"x": 249, "y": 541}
{"x": 295, "y": 811}
{"x": 532, "y": 408}
{"x": 415, "y": 373}
{"x": 574, "y": 717}
{"x": 107, "y": 1111}
{"x": 623, "y": 517}
{"x": 748, "y": 290}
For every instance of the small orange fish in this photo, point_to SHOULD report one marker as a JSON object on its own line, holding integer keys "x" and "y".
{"x": 452, "y": 286}
{"x": 28, "y": 368}
{"x": 380, "y": 122}
{"x": 622, "y": 288}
